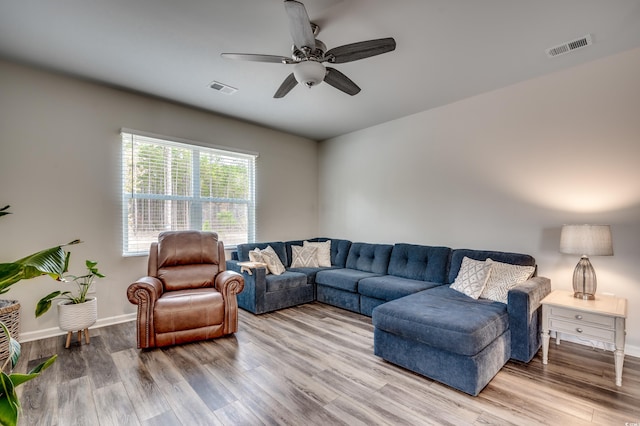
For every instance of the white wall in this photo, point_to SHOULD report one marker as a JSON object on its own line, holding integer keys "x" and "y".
{"x": 60, "y": 165}
{"x": 503, "y": 171}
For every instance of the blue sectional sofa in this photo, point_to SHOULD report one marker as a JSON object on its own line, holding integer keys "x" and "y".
{"x": 420, "y": 322}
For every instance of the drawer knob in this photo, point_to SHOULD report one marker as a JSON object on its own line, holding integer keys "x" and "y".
{"x": 579, "y": 317}
{"x": 579, "y": 330}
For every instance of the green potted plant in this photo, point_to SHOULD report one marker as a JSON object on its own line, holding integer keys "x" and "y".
{"x": 45, "y": 262}
{"x": 9, "y": 402}
{"x": 76, "y": 311}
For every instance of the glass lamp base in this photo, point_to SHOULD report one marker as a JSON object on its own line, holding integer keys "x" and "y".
{"x": 584, "y": 296}
{"x": 584, "y": 280}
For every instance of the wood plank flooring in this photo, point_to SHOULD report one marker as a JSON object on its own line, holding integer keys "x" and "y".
{"x": 308, "y": 365}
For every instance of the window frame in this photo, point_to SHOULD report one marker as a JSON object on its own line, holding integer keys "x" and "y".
{"x": 196, "y": 199}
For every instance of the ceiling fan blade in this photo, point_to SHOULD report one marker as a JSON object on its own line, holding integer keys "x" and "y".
{"x": 299, "y": 24}
{"x": 274, "y": 59}
{"x": 286, "y": 86}
{"x": 360, "y": 50}
{"x": 341, "y": 82}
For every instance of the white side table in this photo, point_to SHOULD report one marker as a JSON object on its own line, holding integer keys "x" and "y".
{"x": 602, "y": 320}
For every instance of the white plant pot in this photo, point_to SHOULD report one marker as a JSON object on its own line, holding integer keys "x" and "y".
{"x": 77, "y": 316}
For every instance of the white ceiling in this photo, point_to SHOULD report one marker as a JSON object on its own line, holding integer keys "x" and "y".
{"x": 447, "y": 50}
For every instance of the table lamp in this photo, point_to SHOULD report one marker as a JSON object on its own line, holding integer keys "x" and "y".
{"x": 585, "y": 240}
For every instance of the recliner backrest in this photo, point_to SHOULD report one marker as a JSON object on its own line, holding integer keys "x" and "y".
{"x": 187, "y": 259}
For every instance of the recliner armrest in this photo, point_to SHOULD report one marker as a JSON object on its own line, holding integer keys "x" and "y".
{"x": 145, "y": 289}
{"x": 144, "y": 293}
{"x": 229, "y": 283}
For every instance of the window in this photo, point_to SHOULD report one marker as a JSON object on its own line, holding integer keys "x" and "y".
{"x": 173, "y": 185}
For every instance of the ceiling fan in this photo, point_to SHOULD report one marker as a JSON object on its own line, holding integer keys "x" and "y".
{"x": 308, "y": 54}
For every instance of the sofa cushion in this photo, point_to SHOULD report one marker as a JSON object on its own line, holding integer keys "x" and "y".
{"x": 309, "y": 272}
{"x": 416, "y": 262}
{"x": 503, "y": 278}
{"x": 505, "y": 257}
{"x": 285, "y": 281}
{"x": 271, "y": 258}
{"x": 339, "y": 250}
{"x": 472, "y": 277}
{"x": 390, "y": 287}
{"x": 323, "y": 253}
{"x": 304, "y": 257}
{"x": 343, "y": 279}
{"x": 369, "y": 257}
{"x": 444, "y": 318}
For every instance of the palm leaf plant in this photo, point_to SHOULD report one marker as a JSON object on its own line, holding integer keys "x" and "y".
{"x": 51, "y": 261}
{"x": 9, "y": 401}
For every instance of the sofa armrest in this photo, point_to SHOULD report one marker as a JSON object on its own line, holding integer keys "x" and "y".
{"x": 144, "y": 293}
{"x": 523, "y": 307}
{"x": 230, "y": 283}
{"x": 252, "y": 298}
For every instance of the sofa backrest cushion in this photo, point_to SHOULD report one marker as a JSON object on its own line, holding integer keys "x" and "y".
{"x": 372, "y": 258}
{"x": 499, "y": 256}
{"x": 424, "y": 263}
{"x": 278, "y": 246}
{"x": 339, "y": 250}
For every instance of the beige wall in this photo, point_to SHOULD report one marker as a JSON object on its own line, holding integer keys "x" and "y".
{"x": 60, "y": 165}
{"x": 503, "y": 171}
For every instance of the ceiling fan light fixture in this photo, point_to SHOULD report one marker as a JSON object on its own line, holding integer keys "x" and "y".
{"x": 309, "y": 73}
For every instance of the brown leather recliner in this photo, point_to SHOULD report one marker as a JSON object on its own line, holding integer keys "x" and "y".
{"x": 188, "y": 294}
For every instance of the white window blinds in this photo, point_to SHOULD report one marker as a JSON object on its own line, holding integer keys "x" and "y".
{"x": 172, "y": 185}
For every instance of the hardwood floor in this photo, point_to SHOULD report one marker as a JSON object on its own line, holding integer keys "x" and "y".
{"x": 308, "y": 365}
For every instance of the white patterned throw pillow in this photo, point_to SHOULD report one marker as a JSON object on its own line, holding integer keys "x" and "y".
{"x": 256, "y": 256}
{"x": 270, "y": 257}
{"x": 304, "y": 257}
{"x": 324, "y": 252}
{"x": 472, "y": 277}
{"x": 504, "y": 277}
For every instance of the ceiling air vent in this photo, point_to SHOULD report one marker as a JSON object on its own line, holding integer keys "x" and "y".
{"x": 569, "y": 46}
{"x": 223, "y": 88}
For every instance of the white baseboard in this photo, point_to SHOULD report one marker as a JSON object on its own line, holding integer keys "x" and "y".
{"x": 51, "y": 332}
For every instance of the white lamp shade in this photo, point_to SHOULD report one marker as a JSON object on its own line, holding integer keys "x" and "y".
{"x": 309, "y": 73}
{"x": 586, "y": 240}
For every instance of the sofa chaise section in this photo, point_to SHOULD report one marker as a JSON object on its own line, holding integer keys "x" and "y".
{"x": 455, "y": 339}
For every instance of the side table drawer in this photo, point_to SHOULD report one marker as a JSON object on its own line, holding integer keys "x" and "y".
{"x": 600, "y": 320}
{"x": 581, "y": 329}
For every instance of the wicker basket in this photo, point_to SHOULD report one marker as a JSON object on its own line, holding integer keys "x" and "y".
{"x": 10, "y": 316}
